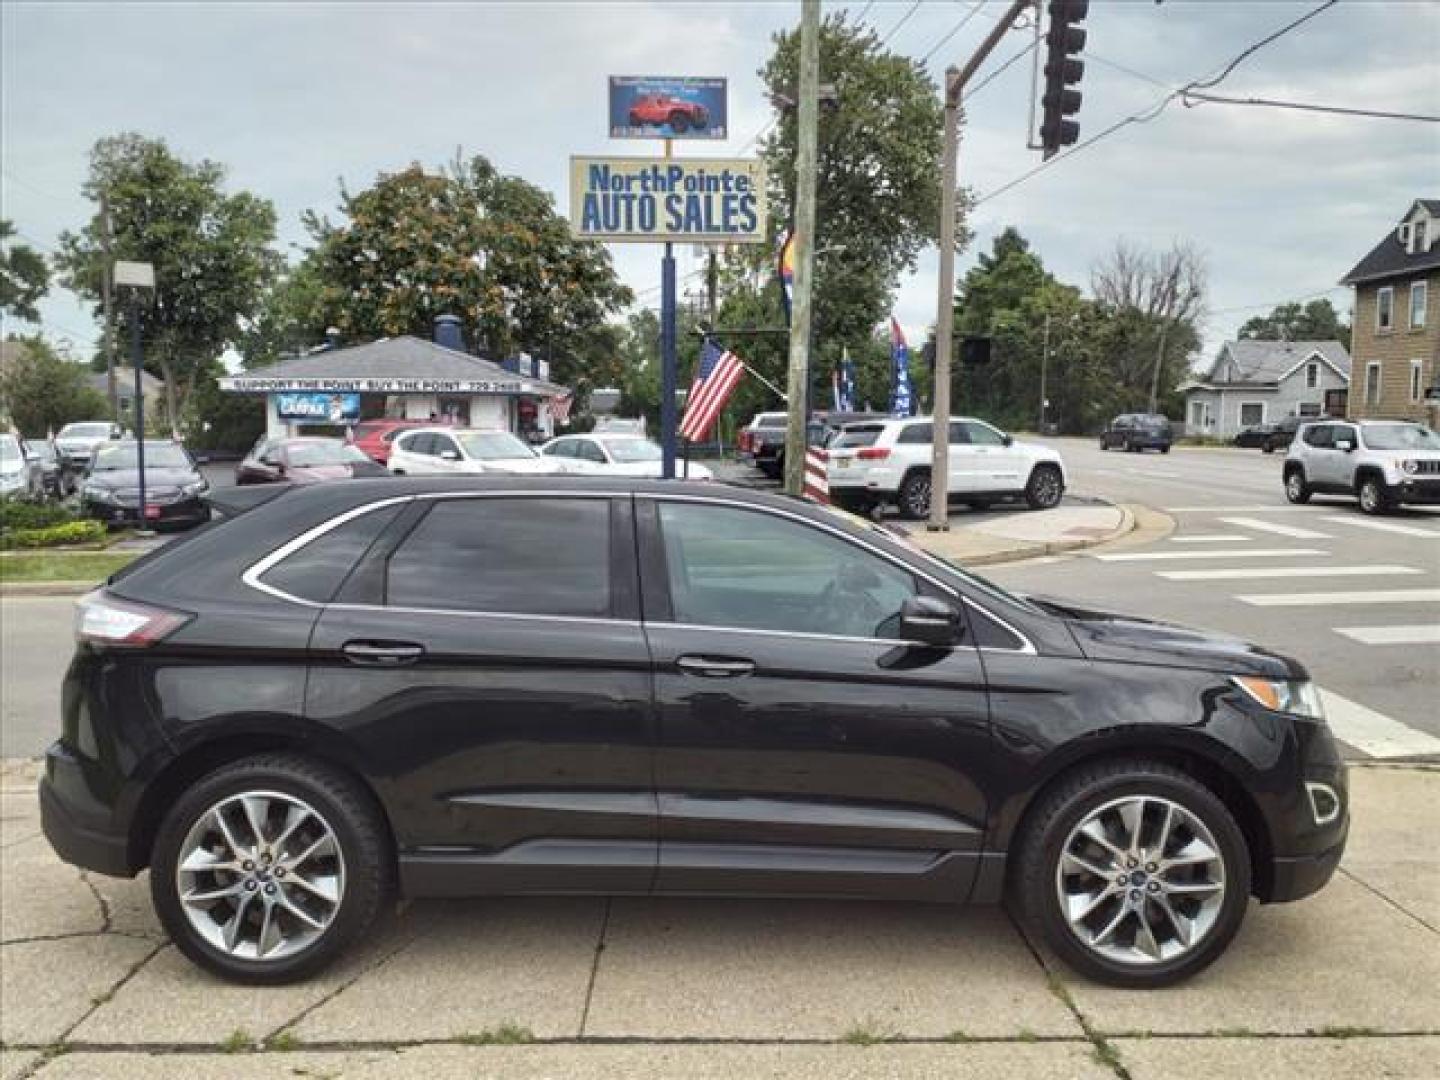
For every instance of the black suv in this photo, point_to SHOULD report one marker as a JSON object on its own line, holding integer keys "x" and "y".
{"x": 544, "y": 684}
{"x": 1137, "y": 432}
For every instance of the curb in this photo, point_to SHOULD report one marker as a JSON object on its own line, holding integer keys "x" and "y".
{"x": 1056, "y": 547}
{"x": 46, "y": 588}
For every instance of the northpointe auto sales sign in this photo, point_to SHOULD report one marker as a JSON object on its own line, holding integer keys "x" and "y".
{"x": 647, "y": 199}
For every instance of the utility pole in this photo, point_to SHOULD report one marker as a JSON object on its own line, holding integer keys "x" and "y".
{"x": 1159, "y": 363}
{"x": 112, "y": 391}
{"x": 667, "y": 356}
{"x": 805, "y": 168}
{"x": 1044, "y": 370}
{"x": 955, "y": 80}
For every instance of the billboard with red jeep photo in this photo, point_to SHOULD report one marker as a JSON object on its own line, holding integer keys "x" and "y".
{"x": 667, "y": 107}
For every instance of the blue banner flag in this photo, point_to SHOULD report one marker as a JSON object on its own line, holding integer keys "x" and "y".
{"x": 902, "y": 401}
{"x": 847, "y": 382}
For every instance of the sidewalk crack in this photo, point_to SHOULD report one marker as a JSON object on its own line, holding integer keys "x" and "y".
{"x": 1395, "y": 904}
{"x": 100, "y": 1000}
{"x": 595, "y": 966}
{"x": 105, "y": 917}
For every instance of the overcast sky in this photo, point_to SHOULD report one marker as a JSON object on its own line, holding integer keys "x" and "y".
{"x": 294, "y": 97}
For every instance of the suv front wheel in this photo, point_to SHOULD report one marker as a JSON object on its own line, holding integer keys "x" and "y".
{"x": 1373, "y": 496}
{"x": 1296, "y": 489}
{"x": 1045, "y": 488}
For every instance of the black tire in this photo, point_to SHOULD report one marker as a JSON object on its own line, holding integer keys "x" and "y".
{"x": 1373, "y": 496}
{"x": 1045, "y": 488}
{"x": 1296, "y": 489}
{"x": 679, "y": 122}
{"x": 1165, "y": 449}
{"x": 1104, "y": 445}
{"x": 1033, "y": 882}
{"x": 359, "y": 830}
{"x": 856, "y": 502}
{"x": 914, "y": 496}
{"x": 1267, "y": 447}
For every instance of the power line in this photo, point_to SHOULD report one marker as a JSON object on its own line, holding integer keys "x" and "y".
{"x": 1191, "y": 98}
{"x": 903, "y": 20}
{"x": 864, "y": 11}
{"x": 975, "y": 10}
{"x": 1127, "y": 70}
{"x": 1253, "y": 49}
{"x": 1280, "y": 303}
{"x": 999, "y": 71}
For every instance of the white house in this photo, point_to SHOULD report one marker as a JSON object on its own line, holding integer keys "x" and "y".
{"x": 1263, "y": 382}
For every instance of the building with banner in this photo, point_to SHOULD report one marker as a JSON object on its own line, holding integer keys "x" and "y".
{"x": 406, "y": 378}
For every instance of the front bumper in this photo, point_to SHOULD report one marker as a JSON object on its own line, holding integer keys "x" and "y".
{"x": 188, "y": 511}
{"x": 1296, "y": 877}
{"x": 1423, "y": 491}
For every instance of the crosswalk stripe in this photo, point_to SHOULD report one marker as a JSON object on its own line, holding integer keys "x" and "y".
{"x": 1325, "y": 599}
{"x": 1243, "y": 509}
{"x": 1423, "y": 634}
{"x": 1238, "y": 553}
{"x": 1258, "y": 572}
{"x": 1278, "y": 530}
{"x": 1372, "y": 732}
{"x": 1210, "y": 538}
{"x": 1386, "y": 526}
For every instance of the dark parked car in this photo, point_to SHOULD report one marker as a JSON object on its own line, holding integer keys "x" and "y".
{"x": 304, "y": 460}
{"x": 1284, "y": 433}
{"x": 549, "y": 684}
{"x": 174, "y": 489}
{"x": 1138, "y": 431}
{"x": 54, "y": 480}
{"x": 1255, "y": 436}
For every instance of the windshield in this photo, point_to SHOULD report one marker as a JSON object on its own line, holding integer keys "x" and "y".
{"x": 85, "y": 431}
{"x": 857, "y": 436}
{"x": 630, "y": 451}
{"x": 165, "y": 456}
{"x": 1400, "y": 437}
{"x": 309, "y": 454}
{"x": 494, "y": 446}
{"x": 9, "y": 448}
{"x": 770, "y": 420}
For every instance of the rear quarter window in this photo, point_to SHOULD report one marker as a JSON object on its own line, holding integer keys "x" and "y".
{"x": 316, "y": 571}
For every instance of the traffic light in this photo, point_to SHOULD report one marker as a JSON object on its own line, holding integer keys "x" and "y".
{"x": 974, "y": 351}
{"x": 1062, "y": 71}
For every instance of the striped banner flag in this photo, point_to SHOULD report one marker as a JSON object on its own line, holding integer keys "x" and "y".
{"x": 560, "y": 408}
{"x": 716, "y": 377}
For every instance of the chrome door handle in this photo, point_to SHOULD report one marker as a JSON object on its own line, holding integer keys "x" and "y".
{"x": 714, "y": 667}
{"x": 382, "y": 653}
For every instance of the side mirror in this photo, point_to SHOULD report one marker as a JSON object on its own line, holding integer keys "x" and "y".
{"x": 1344, "y": 444}
{"x": 1007, "y": 440}
{"x": 449, "y": 455}
{"x": 928, "y": 621}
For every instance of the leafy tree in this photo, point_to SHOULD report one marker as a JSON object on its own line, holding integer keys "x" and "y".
{"x": 42, "y": 391}
{"x": 470, "y": 242}
{"x": 24, "y": 277}
{"x": 211, "y": 252}
{"x": 878, "y": 178}
{"x": 1316, "y": 321}
{"x": 216, "y": 420}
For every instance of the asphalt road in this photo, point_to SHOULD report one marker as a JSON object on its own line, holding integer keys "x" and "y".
{"x": 1356, "y": 599}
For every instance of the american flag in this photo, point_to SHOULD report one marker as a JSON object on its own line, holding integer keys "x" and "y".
{"x": 560, "y": 408}
{"x": 716, "y": 377}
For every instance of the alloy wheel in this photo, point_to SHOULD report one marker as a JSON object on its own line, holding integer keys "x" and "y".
{"x": 1047, "y": 488}
{"x": 1140, "y": 880}
{"x": 260, "y": 875}
{"x": 917, "y": 496}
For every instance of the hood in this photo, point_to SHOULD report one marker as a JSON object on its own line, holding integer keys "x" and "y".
{"x": 129, "y": 478}
{"x": 531, "y": 466}
{"x": 1104, "y": 635}
{"x": 78, "y": 442}
{"x": 651, "y": 470}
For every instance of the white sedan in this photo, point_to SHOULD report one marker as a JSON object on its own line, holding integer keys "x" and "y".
{"x": 440, "y": 450}
{"x": 618, "y": 454}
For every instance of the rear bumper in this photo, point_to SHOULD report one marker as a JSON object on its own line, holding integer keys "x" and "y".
{"x": 76, "y": 827}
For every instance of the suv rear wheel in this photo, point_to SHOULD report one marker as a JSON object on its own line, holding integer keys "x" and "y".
{"x": 1045, "y": 488}
{"x": 1374, "y": 499}
{"x": 269, "y": 867}
{"x": 1296, "y": 489}
{"x": 1134, "y": 873}
{"x": 914, "y": 495}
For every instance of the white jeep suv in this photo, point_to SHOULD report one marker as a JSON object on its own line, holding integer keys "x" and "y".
{"x": 1382, "y": 463}
{"x": 876, "y": 462}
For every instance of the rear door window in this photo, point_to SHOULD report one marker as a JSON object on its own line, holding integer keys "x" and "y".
{"x": 316, "y": 571}
{"x": 507, "y": 556}
{"x": 1319, "y": 436}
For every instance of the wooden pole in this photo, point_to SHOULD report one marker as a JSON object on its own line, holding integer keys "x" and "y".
{"x": 805, "y": 169}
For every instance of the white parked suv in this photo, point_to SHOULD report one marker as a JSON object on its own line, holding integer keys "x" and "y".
{"x": 877, "y": 462}
{"x": 1382, "y": 463}
{"x": 440, "y": 450}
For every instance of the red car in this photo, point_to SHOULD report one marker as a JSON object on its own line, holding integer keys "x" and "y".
{"x": 374, "y": 436}
{"x": 657, "y": 109}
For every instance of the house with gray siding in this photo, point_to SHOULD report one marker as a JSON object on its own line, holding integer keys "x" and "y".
{"x": 1263, "y": 382}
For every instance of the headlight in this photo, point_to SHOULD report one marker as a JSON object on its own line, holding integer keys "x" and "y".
{"x": 1297, "y": 697}
{"x": 199, "y": 487}
{"x": 1408, "y": 465}
{"x": 97, "y": 493}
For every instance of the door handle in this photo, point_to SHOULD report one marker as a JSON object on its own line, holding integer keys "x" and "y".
{"x": 714, "y": 667}
{"x": 382, "y": 653}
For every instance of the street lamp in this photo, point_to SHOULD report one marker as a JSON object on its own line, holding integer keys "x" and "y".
{"x": 136, "y": 278}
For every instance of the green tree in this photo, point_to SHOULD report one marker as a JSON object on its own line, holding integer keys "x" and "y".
{"x": 216, "y": 420}
{"x": 878, "y": 178}
{"x": 24, "y": 277}
{"x": 470, "y": 242}
{"x": 42, "y": 391}
{"x": 1316, "y": 321}
{"x": 211, "y": 252}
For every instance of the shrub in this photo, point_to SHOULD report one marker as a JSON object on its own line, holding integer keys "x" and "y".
{"x": 69, "y": 532}
{"x": 19, "y": 514}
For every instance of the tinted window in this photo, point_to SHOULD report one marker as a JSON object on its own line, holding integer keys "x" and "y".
{"x": 560, "y": 448}
{"x": 318, "y": 569}
{"x": 126, "y": 456}
{"x": 983, "y": 434}
{"x": 417, "y": 444}
{"x": 755, "y": 571}
{"x": 988, "y": 633}
{"x": 915, "y": 434}
{"x": 1318, "y": 435}
{"x": 440, "y": 444}
{"x": 523, "y": 556}
{"x": 857, "y": 436}
{"x": 590, "y": 452}
{"x": 1343, "y": 431}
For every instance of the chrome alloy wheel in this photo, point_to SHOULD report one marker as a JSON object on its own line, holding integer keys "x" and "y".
{"x": 260, "y": 875}
{"x": 1140, "y": 880}
{"x": 1047, "y": 488}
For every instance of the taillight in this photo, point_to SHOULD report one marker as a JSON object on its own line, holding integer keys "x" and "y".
{"x": 102, "y": 619}
{"x": 873, "y": 453}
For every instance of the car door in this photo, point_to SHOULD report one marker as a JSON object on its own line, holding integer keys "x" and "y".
{"x": 488, "y": 652}
{"x": 998, "y": 465}
{"x": 446, "y": 456}
{"x": 414, "y": 453}
{"x": 1319, "y": 455}
{"x": 803, "y": 749}
{"x": 1342, "y": 469}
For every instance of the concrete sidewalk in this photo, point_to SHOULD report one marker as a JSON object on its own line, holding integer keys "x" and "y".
{"x": 1027, "y": 534}
{"x": 1346, "y": 984}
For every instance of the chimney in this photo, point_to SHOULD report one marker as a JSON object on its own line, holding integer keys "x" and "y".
{"x": 450, "y": 332}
